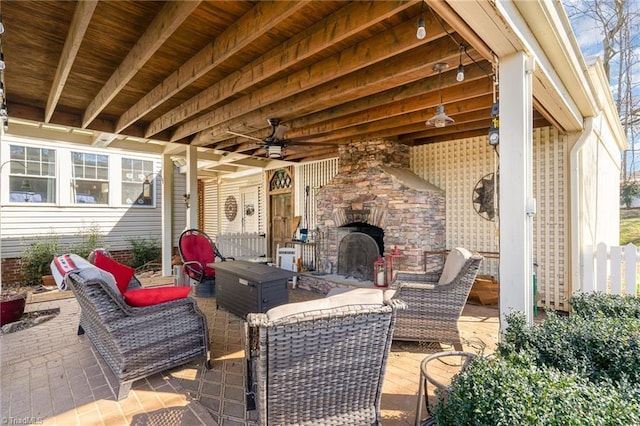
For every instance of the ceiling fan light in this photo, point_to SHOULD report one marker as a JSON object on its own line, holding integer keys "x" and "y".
{"x": 274, "y": 151}
{"x": 440, "y": 119}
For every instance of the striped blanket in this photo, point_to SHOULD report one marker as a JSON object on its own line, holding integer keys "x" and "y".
{"x": 66, "y": 263}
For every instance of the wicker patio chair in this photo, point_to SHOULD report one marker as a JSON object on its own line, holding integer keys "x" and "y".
{"x": 138, "y": 341}
{"x": 320, "y": 362}
{"x": 435, "y": 300}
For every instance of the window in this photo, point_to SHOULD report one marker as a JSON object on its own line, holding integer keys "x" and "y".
{"x": 32, "y": 175}
{"x": 90, "y": 178}
{"x": 134, "y": 173}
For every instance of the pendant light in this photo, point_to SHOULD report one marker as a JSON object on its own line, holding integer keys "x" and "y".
{"x": 421, "y": 33}
{"x": 440, "y": 119}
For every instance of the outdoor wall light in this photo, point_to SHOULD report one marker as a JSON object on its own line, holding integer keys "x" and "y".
{"x": 187, "y": 200}
{"x": 146, "y": 186}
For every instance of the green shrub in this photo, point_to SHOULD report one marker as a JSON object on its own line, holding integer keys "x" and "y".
{"x": 144, "y": 251}
{"x": 583, "y": 369}
{"x": 589, "y": 305}
{"x": 89, "y": 240}
{"x": 37, "y": 257}
{"x": 493, "y": 391}
{"x": 599, "y": 348}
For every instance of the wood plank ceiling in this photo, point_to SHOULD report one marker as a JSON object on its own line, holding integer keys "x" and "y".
{"x": 189, "y": 72}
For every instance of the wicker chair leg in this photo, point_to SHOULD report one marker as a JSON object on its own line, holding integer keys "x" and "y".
{"x": 458, "y": 346}
{"x": 123, "y": 390}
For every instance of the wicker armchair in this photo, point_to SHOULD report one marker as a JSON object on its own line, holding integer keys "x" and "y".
{"x": 320, "y": 362}
{"x": 435, "y": 300}
{"x": 138, "y": 341}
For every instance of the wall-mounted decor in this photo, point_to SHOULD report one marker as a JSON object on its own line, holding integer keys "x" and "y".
{"x": 231, "y": 208}
{"x": 249, "y": 210}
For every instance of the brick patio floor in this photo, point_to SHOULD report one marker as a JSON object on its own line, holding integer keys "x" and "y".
{"x": 51, "y": 376}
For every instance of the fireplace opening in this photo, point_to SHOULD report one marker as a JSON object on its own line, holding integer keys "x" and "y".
{"x": 358, "y": 249}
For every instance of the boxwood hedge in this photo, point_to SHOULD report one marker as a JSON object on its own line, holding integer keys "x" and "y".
{"x": 582, "y": 369}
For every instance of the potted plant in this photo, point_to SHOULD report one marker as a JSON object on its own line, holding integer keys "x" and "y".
{"x": 12, "y": 305}
{"x": 37, "y": 258}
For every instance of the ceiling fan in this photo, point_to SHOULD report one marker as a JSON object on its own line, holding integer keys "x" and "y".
{"x": 276, "y": 143}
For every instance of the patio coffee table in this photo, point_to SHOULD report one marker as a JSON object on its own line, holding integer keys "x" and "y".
{"x": 243, "y": 287}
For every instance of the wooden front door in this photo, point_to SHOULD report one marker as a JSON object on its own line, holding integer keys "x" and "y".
{"x": 280, "y": 186}
{"x": 281, "y": 219}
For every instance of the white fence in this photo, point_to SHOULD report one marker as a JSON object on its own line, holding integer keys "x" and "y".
{"x": 242, "y": 246}
{"x": 611, "y": 270}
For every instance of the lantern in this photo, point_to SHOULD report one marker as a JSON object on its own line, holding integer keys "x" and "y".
{"x": 390, "y": 268}
{"x": 378, "y": 272}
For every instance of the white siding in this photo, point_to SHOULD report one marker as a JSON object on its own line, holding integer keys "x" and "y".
{"x": 22, "y": 223}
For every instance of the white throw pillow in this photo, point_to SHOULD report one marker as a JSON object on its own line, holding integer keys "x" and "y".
{"x": 454, "y": 263}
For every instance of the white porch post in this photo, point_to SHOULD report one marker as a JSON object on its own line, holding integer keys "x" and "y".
{"x": 167, "y": 214}
{"x": 192, "y": 186}
{"x": 516, "y": 186}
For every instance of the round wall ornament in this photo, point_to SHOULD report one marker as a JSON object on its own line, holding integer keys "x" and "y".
{"x": 230, "y": 208}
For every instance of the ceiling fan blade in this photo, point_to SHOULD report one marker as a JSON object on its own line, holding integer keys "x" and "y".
{"x": 244, "y": 136}
{"x": 280, "y": 131}
{"x": 295, "y": 142}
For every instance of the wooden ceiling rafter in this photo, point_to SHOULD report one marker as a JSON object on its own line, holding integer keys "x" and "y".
{"x": 333, "y": 71}
{"x": 162, "y": 27}
{"x": 247, "y": 29}
{"x": 332, "y": 29}
{"x": 387, "y": 45}
{"x": 79, "y": 24}
{"x": 410, "y": 66}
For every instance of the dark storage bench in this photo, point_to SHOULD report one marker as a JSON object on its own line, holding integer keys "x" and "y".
{"x": 243, "y": 287}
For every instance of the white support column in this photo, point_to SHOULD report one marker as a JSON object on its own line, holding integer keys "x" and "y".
{"x": 192, "y": 186}
{"x": 167, "y": 214}
{"x": 517, "y": 205}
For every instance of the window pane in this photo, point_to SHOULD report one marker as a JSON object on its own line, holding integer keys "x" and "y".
{"x": 31, "y": 179}
{"x": 134, "y": 173}
{"x": 91, "y": 178}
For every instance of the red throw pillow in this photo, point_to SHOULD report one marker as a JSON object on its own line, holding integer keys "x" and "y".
{"x": 155, "y": 295}
{"x": 121, "y": 273}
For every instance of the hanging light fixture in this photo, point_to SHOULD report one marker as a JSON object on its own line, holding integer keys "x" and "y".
{"x": 460, "y": 75}
{"x": 422, "y": 32}
{"x": 440, "y": 119}
{"x": 274, "y": 151}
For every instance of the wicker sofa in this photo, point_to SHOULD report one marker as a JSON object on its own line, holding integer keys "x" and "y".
{"x": 320, "y": 362}
{"x": 435, "y": 300}
{"x": 138, "y": 341}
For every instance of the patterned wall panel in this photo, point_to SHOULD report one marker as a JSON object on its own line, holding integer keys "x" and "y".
{"x": 457, "y": 166}
{"x": 315, "y": 175}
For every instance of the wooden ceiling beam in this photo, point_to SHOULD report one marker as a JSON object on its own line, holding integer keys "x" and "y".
{"x": 421, "y": 91}
{"x": 349, "y": 20}
{"x": 170, "y": 17}
{"x": 467, "y": 91}
{"x": 79, "y": 24}
{"x": 395, "y": 99}
{"x": 407, "y": 67}
{"x": 253, "y": 24}
{"x": 461, "y": 111}
{"x": 374, "y": 50}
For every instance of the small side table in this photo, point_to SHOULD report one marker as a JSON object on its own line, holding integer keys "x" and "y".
{"x": 425, "y": 378}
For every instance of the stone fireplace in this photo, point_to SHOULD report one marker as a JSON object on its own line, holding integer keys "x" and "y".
{"x": 374, "y": 204}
